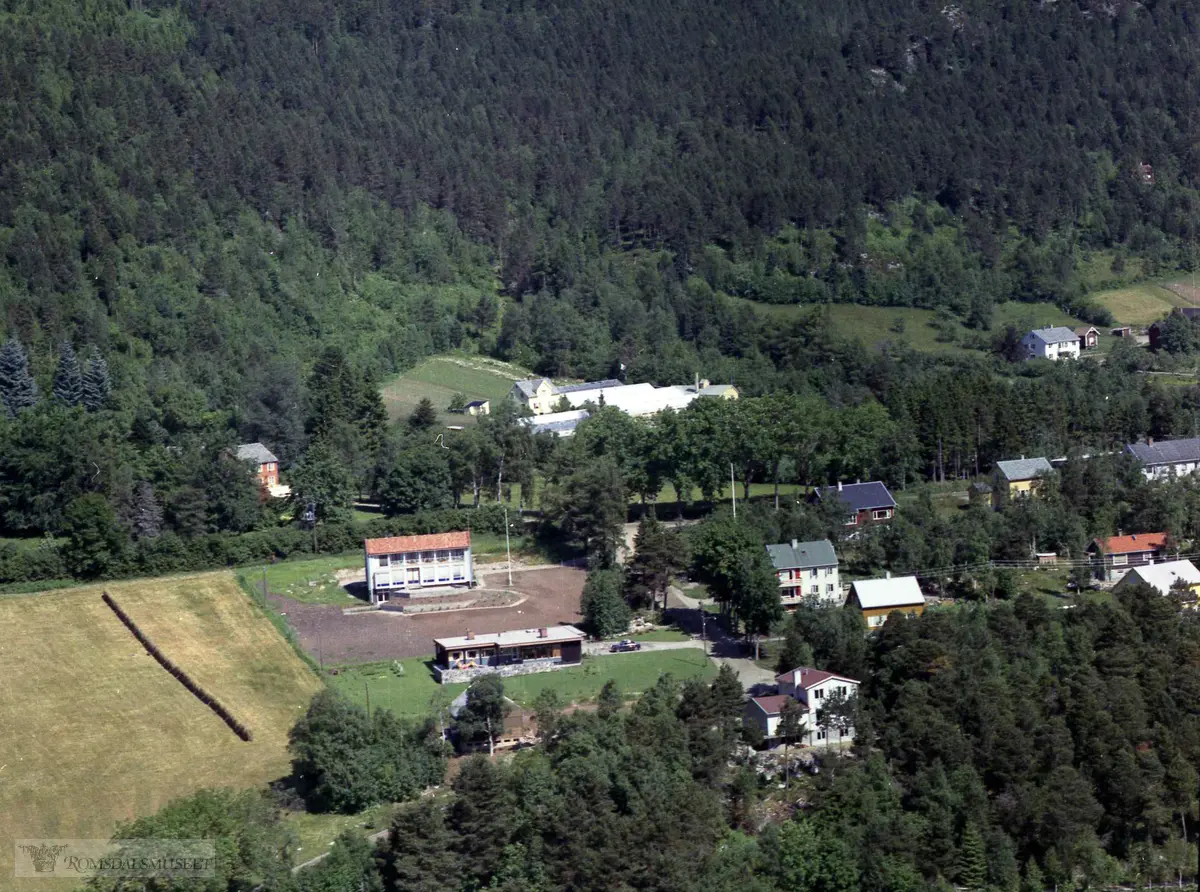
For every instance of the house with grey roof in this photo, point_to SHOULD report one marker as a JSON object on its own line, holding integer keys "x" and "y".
{"x": 1017, "y": 479}
{"x": 264, "y": 462}
{"x": 807, "y": 573}
{"x": 1166, "y": 458}
{"x": 1053, "y": 343}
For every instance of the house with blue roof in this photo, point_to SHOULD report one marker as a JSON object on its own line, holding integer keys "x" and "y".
{"x": 865, "y": 503}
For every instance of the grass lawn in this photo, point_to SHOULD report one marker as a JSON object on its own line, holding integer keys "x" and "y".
{"x": 294, "y": 578}
{"x": 1139, "y": 304}
{"x": 439, "y": 378}
{"x": 97, "y": 732}
{"x": 409, "y": 694}
{"x": 314, "y": 833}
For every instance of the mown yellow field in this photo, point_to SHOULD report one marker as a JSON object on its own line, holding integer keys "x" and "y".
{"x": 94, "y": 731}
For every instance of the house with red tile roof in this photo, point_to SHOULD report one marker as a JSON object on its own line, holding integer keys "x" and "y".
{"x": 398, "y": 565}
{"x": 1112, "y": 557}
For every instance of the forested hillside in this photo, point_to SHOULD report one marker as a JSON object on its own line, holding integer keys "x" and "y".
{"x": 250, "y": 212}
{"x": 213, "y": 185}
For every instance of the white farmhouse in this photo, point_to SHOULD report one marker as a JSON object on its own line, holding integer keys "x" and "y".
{"x": 1051, "y": 343}
{"x": 397, "y": 565}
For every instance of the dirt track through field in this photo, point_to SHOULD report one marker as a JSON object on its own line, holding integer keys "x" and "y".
{"x": 551, "y": 597}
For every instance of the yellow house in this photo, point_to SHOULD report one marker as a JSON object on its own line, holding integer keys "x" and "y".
{"x": 877, "y": 599}
{"x": 1016, "y": 479}
{"x": 1165, "y": 578}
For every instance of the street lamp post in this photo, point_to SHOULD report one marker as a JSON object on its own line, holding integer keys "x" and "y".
{"x": 507, "y": 546}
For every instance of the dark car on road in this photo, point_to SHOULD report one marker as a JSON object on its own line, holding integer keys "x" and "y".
{"x": 624, "y": 646}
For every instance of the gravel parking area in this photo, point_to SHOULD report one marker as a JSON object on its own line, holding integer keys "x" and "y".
{"x": 551, "y": 598}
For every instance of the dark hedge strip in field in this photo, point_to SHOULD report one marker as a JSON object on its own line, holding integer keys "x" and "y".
{"x": 182, "y": 677}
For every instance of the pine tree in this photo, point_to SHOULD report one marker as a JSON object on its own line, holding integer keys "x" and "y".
{"x": 147, "y": 513}
{"x": 18, "y": 390}
{"x": 424, "y": 416}
{"x": 68, "y": 378}
{"x": 419, "y": 856}
{"x": 972, "y": 860}
{"x": 97, "y": 388}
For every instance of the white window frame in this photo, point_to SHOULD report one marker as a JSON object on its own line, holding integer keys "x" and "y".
{"x": 1120, "y": 560}
{"x": 881, "y": 513}
{"x": 384, "y": 560}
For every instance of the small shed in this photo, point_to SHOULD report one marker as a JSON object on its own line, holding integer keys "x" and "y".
{"x": 478, "y": 407}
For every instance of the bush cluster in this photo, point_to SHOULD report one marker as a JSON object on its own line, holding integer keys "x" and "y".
{"x": 171, "y": 553}
{"x": 183, "y": 678}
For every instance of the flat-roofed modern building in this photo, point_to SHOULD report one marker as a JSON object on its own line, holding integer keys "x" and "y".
{"x": 400, "y": 564}
{"x": 518, "y": 652}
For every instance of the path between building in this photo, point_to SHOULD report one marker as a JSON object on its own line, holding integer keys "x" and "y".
{"x": 603, "y": 648}
{"x": 724, "y": 649}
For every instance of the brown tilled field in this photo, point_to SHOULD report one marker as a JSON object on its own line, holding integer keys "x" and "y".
{"x": 551, "y": 597}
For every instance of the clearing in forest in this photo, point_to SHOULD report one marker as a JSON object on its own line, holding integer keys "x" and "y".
{"x": 439, "y": 378}
{"x": 1143, "y": 304}
{"x": 97, "y": 732}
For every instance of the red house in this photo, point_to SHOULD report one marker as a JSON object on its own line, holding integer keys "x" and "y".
{"x": 1111, "y": 557}
{"x": 1088, "y": 337}
{"x": 866, "y": 503}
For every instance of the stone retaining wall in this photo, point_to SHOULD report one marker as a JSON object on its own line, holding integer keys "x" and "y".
{"x": 455, "y": 676}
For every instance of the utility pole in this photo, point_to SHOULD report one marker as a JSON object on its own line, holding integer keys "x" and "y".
{"x": 367, "y": 688}
{"x": 507, "y": 546}
{"x": 733, "y": 490}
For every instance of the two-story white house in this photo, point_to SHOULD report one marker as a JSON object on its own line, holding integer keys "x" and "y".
{"x": 812, "y": 689}
{"x": 807, "y": 573}
{"x": 399, "y": 564}
{"x": 1167, "y": 458}
{"x": 1051, "y": 343}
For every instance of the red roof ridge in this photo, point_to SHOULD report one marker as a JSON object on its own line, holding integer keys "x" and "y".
{"x": 1133, "y": 542}
{"x": 426, "y": 542}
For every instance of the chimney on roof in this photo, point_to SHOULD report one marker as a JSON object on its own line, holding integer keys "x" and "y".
{"x": 839, "y": 486}
{"x": 795, "y": 543}
{"x": 543, "y": 633}
{"x": 470, "y": 635}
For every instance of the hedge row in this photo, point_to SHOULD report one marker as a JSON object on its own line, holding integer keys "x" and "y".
{"x": 202, "y": 695}
{"x": 170, "y": 553}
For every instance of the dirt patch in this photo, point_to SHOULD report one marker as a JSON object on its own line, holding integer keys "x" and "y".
{"x": 551, "y": 597}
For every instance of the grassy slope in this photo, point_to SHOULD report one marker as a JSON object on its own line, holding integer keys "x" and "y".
{"x": 873, "y": 325}
{"x": 439, "y": 378}
{"x": 96, "y": 732}
{"x": 1142, "y": 304}
{"x": 409, "y": 695}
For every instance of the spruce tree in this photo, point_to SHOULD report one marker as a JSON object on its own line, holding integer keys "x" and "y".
{"x": 18, "y": 390}
{"x": 972, "y": 860}
{"x": 147, "y": 513}
{"x": 68, "y": 378}
{"x": 97, "y": 388}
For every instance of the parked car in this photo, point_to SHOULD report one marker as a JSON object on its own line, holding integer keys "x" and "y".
{"x": 625, "y": 645}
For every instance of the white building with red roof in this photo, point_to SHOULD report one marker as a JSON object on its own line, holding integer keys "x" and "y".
{"x": 814, "y": 689}
{"x": 397, "y": 565}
